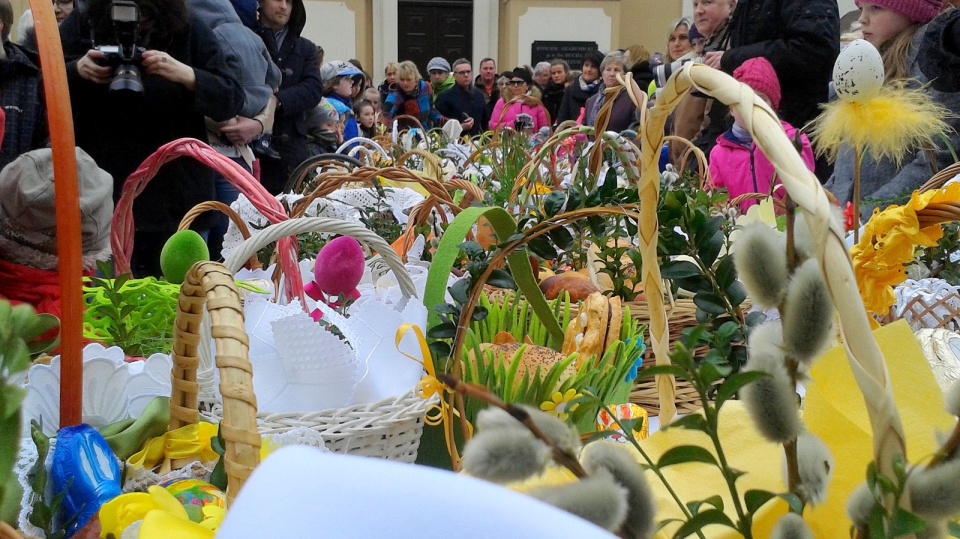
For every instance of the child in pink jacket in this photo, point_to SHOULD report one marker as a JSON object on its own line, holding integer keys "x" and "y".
{"x": 735, "y": 162}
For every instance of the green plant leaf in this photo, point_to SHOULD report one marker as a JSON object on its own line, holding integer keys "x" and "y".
{"x": 460, "y": 291}
{"x": 501, "y": 279}
{"x": 16, "y": 356}
{"x": 754, "y": 499}
{"x": 735, "y": 383}
{"x": 542, "y": 247}
{"x": 658, "y": 370}
{"x": 679, "y": 270}
{"x": 701, "y": 520}
{"x": 710, "y": 303}
{"x": 793, "y": 501}
{"x": 906, "y": 523}
{"x": 479, "y": 313}
{"x": 726, "y": 272}
{"x": 736, "y": 293}
{"x": 446, "y": 330}
{"x": 561, "y": 237}
{"x": 553, "y": 203}
{"x": 683, "y": 454}
{"x": 446, "y": 308}
{"x": 471, "y": 248}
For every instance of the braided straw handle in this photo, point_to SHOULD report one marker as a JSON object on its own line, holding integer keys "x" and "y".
{"x": 327, "y": 225}
{"x": 210, "y": 284}
{"x": 864, "y": 355}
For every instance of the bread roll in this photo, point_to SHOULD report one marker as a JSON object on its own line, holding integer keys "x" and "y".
{"x": 575, "y": 284}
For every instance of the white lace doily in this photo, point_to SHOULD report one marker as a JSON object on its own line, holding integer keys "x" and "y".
{"x": 25, "y": 461}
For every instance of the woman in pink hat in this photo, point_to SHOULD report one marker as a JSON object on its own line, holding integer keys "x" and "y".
{"x": 896, "y": 28}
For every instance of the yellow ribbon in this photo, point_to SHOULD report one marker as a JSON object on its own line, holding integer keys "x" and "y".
{"x": 440, "y": 413}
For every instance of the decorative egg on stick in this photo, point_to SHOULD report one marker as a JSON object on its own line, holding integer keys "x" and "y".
{"x": 888, "y": 120}
{"x": 337, "y": 271}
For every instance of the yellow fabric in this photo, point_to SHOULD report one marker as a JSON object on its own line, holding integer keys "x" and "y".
{"x": 119, "y": 513}
{"x": 399, "y": 185}
{"x": 835, "y": 411}
{"x": 163, "y": 525}
{"x": 888, "y": 243}
{"x": 190, "y": 442}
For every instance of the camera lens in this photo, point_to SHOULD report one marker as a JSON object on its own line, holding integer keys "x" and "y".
{"x": 127, "y": 79}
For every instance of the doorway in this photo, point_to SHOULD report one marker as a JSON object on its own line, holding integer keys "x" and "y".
{"x": 429, "y": 28}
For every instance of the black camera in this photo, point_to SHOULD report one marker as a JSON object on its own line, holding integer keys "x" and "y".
{"x": 126, "y": 55}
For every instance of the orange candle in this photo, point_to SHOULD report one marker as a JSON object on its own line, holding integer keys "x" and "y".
{"x": 60, "y": 118}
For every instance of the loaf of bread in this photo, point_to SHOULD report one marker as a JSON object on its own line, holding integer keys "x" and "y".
{"x": 578, "y": 286}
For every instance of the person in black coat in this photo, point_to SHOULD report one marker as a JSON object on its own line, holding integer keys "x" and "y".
{"x": 463, "y": 102}
{"x": 301, "y": 87}
{"x": 800, "y": 38}
{"x": 939, "y": 55}
{"x": 577, "y": 94}
{"x": 184, "y": 79}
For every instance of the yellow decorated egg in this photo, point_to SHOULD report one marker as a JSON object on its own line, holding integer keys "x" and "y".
{"x": 858, "y": 71}
{"x": 194, "y": 495}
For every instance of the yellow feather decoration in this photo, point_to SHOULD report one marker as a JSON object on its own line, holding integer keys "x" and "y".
{"x": 893, "y": 122}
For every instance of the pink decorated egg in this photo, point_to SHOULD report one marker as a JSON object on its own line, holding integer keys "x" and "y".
{"x": 339, "y": 266}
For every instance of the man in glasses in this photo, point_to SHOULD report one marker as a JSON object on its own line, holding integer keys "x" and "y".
{"x": 464, "y": 102}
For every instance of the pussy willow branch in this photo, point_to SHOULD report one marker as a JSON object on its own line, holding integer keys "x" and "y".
{"x": 790, "y": 448}
{"x": 562, "y": 457}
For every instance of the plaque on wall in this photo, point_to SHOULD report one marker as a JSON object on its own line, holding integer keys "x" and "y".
{"x": 571, "y": 51}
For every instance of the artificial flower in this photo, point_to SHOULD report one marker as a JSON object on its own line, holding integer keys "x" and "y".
{"x": 889, "y": 241}
{"x": 559, "y": 404}
{"x": 122, "y": 511}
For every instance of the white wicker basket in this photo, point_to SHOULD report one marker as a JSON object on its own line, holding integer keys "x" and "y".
{"x": 390, "y": 428}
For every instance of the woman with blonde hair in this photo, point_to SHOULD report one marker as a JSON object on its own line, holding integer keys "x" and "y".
{"x": 412, "y": 97}
{"x": 678, "y": 41}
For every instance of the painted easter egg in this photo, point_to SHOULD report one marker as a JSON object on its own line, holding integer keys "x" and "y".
{"x": 339, "y": 266}
{"x": 858, "y": 71}
{"x": 194, "y": 495}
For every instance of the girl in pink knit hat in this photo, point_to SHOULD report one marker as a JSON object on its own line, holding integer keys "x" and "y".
{"x": 896, "y": 28}
{"x": 735, "y": 162}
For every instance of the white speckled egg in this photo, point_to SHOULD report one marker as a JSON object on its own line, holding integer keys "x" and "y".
{"x": 858, "y": 71}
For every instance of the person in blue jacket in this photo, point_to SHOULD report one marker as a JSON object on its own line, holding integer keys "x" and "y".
{"x": 339, "y": 80}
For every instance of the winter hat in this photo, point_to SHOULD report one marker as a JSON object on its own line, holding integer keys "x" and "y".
{"x": 693, "y": 34}
{"x": 522, "y": 73}
{"x": 758, "y": 73}
{"x": 438, "y": 64}
{"x": 919, "y": 11}
{"x": 28, "y": 217}
{"x": 338, "y": 68}
{"x": 327, "y": 113}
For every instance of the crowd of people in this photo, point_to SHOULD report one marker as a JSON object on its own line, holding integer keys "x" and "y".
{"x": 239, "y": 75}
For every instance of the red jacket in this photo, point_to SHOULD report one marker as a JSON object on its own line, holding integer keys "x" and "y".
{"x": 743, "y": 169}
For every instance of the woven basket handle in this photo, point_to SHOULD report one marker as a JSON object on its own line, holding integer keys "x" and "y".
{"x": 210, "y": 284}
{"x": 213, "y": 205}
{"x": 326, "y": 225}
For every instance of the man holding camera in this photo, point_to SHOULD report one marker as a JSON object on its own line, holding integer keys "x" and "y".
{"x": 463, "y": 102}
{"x": 143, "y": 73}
{"x": 301, "y": 87}
{"x": 19, "y": 95}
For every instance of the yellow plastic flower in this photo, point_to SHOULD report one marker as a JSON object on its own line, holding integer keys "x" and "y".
{"x": 559, "y": 404}
{"x": 212, "y": 517}
{"x": 889, "y": 241}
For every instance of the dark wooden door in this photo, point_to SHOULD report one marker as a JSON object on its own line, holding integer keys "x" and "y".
{"x": 429, "y": 28}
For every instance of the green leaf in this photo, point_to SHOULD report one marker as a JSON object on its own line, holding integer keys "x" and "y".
{"x": 683, "y": 454}
{"x": 460, "y": 291}
{"x": 726, "y": 272}
{"x": 606, "y": 190}
{"x": 439, "y": 350}
{"x": 793, "y": 501}
{"x": 736, "y": 293}
{"x": 597, "y": 224}
{"x": 658, "y": 370}
{"x": 754, "y": 499}
{"x": 479, "y": 313}
{"x": 679, "y": 270}
{"x": 710, "y": 303}
{"x": 446, "y": 330}
{"x": 471, "y": 248}
{"x": 701, "y": 520}
{"x": 10, "y": 399}
{"x": 16, "y": 357}
{"x": 561, "y": 237}
{"x": 906, "y": 523}
{"x": 735, "y": 383}
{"x": 690, "y": 422}
{"x": 501, "y": 279}
{"x": 710, "y": 249}
{"x": 553, "y": 203}
{"x": 542, "y": 247}
{"x": 446, "y": 308}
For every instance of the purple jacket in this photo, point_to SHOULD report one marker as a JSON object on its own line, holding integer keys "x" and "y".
{"x": 743, "y": 169}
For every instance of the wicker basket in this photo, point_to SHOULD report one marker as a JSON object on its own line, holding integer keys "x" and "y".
{"x": 390, "y": 428}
